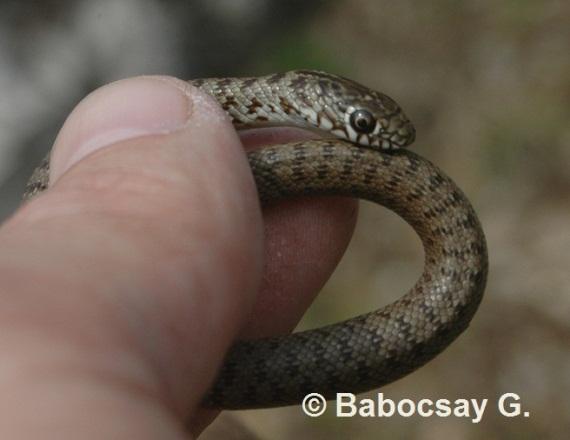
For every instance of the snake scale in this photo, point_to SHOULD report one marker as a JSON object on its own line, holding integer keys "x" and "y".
{"x": 363, "y": 159}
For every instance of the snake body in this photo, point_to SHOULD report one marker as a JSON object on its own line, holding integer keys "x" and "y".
{"x": 363, "y": 160}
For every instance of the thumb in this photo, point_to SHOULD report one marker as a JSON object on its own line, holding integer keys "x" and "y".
{"x": 138, "y": 265}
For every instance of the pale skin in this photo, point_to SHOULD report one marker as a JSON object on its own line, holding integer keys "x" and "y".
{"x": 122, "y": 286}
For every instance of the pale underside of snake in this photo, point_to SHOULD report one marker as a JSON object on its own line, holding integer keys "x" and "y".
{"x": 362, "y": 160}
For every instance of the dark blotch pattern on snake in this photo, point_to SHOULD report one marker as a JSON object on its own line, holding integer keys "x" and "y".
{"x": 363, "y": 160}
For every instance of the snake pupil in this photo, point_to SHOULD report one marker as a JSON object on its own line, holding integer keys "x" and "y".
{"x": 362, "y": 121}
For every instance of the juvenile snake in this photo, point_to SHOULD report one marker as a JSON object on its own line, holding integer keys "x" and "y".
{"x": 362, "y": 160}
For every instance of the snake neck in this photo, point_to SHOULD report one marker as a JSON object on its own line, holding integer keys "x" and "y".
{"x": 260, "y": 102}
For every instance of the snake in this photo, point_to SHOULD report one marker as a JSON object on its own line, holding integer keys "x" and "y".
{"x": 361, "y": 154}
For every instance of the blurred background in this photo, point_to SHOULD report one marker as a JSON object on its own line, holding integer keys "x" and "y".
{"x": 487, "y": 85}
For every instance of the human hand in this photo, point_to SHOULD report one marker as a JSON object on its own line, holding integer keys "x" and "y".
{"x": 124, "y": 284}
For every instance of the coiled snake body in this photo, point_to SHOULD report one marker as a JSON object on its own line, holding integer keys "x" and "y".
{"x": 378, "y": 347}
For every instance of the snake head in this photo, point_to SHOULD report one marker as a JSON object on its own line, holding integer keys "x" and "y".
{"x": 376, "y": 120}
{"x": 354, "y": 112}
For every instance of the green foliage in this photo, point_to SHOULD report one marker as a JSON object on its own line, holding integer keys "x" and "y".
{"x": 297, "y": 50}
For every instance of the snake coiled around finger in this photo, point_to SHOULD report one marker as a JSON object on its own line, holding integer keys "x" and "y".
{"x": 363, "y": 157}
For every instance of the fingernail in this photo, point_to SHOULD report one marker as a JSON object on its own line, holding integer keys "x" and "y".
{"x": 120, "y": 111}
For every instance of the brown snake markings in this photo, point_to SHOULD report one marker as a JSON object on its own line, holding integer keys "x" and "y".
{"x": 381, "y": 346}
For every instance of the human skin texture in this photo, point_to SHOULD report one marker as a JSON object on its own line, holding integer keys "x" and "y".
{"x": 123, "y": 285}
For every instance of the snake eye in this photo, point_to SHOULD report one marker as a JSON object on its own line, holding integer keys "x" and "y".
{"x": 362, "y": 121}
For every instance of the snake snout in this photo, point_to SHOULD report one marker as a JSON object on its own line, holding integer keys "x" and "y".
{"x": 403, "y": 132}
{"x": 408, "y": 133}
